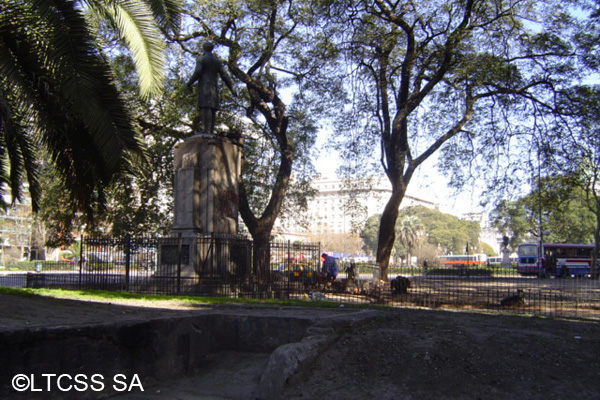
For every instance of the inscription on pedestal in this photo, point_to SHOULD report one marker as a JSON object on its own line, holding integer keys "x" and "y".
{"x": 169, "y": 253}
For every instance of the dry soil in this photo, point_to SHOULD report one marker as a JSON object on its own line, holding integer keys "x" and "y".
{"x": 403, "y": 354}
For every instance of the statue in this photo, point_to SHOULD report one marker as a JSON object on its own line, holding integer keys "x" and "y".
{"x": 207, "y": 72}
{"x": 505, "y": 263}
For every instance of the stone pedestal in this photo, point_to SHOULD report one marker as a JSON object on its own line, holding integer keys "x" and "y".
{"x": 207, "y": 170}
{"x": 505, "y": 263}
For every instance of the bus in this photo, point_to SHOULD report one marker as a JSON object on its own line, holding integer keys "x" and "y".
{"x": 558, "y": 259}
{"x": 463, "y": 260}
{"x": 497, "y": 261}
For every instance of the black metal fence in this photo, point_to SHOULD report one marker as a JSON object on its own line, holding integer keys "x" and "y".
{"x": 218, "y": 265}
{"x": 207, "y": 265}
{"x": 491, "y": 287}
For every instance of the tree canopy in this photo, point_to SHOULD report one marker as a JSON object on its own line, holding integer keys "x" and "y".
{"x": 272, "y": 49}
{"x": 454, "y": 77}
{"x": 57, "y": 91}
{"x": 475, "y": 81}
{"x": 418, "y": 225}
{"x": 561, "y": 205}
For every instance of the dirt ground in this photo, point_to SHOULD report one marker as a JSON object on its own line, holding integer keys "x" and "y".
{"x": 403, "y": 354}
{"x": 417, "y": 354}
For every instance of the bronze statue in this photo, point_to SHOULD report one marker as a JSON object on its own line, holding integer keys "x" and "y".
{"x": 207, "y": 72}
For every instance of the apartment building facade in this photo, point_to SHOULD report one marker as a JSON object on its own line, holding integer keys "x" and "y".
{"x": 343, "y": 206}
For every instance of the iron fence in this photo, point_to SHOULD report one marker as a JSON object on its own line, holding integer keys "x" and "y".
{"x": 219, "y": 265}
{"x": 199, "y": 265}
{"x": 486, "y": 287}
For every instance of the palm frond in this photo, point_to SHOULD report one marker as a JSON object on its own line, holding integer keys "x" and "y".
{"x": 60, "y": 92}
{"x": 167, "y": 13}
{"x": 18, "y": 161}
{"x": 83, "y": 82}
{"x": 134, "y": 22}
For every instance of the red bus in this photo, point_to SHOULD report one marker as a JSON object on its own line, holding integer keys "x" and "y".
{"x": 463, "y": 259}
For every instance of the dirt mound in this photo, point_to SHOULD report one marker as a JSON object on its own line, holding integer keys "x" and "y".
{"x": 403, "y": 354}
{"x": 416, "y": 354}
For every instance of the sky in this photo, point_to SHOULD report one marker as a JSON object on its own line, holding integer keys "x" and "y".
{"x": 427, "y": 184}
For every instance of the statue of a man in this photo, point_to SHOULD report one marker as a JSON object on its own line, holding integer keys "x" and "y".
{"x": 207, "y": 72}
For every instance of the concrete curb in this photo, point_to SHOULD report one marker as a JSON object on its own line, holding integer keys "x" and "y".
{"x": 166, "y": 348}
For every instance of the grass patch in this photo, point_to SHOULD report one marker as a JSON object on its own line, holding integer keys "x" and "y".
{"x": 460, "y": 272}
{"x": 102, "y": 295}
{"x": 17, "y": 292}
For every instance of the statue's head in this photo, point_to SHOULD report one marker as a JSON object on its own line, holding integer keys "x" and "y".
{"x": 208, "y": 47}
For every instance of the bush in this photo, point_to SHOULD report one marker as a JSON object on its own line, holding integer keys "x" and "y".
{"x": 46, "y": 265}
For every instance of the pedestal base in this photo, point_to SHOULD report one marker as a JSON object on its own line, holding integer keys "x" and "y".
{"x": 207, "y": 170}
{"x": 223, "y": 258}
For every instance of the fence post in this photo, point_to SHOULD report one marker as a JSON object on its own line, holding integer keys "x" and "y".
{"x": 81, "y": 259}
{"x": 179, "y": 247}
{"x": 127, "y": 261}
{"x": 318, "y": 267}
{"x": 288, "y": 266}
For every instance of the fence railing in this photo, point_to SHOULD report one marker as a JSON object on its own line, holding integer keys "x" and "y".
{"x": 217, "y": 265}
{"x": 195, "y": 265}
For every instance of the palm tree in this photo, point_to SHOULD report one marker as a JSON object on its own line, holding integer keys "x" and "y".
{"x": 409, "y": 231}
{"x": 57, "y": 92}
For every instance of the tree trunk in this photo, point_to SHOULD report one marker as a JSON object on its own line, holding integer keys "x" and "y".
{"x": 260, "y": 230}
{"x": 387, "y": 231}
{"x": 261, "y": 256}
{"x": 260, "y": 227}
{"x": 594, "y": 264}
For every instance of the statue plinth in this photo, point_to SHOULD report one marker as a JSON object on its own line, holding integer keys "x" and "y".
{"x": 207, "y": 170}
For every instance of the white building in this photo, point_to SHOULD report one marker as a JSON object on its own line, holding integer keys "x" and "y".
{"x": 343, "y": 206}
{"x": 15, "y": 231}
{"x": 489, "y": 234}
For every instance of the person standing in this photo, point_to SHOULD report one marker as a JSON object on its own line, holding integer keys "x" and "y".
{"x": 329, "y": 267}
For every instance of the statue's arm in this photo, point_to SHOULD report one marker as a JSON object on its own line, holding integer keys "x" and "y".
{"x": 196, "y": 75}
{"x": 227, "y": 80}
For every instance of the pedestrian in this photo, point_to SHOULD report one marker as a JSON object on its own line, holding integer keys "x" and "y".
{"x": 329, "y": 266}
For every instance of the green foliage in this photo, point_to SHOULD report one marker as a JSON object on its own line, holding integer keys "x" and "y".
{"x": 369, "y": 234}
{"x": 137, "y": 27}
{"x": 136, "y": 208}
{"x": 459, "y": 78}
{"x": 141, "y": 202}
{"x": 278, "y": 54}
{"x": 57, "y": 92}
{"x": 488, "y": 250}
{"x": 447, "y": 232}
{"x": 45, "y": 265}
{"x": 57, "y": 212}
{"x": 409, "y": 233}
{"x": 579, "y": 153}
{"x": 588, "y": 38}
{"x": 562, "y": 207}
{"x": 512, "y": 220}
